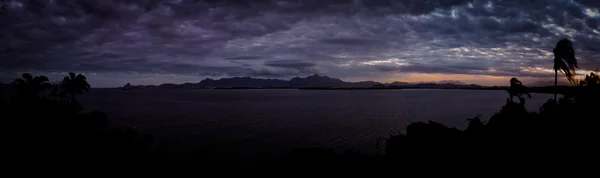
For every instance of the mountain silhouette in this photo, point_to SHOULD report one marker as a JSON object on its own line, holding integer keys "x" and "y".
{"x": 365, "y": 84}
{"x": 127, "y": 87}
{"x": 396, "y": 83}
{"x": 169, "y": 85}
{"x": 317, "y": 81}
{"x": 243, "y": 82}
{"x": 311, "y": 81}
{"x": 455, "y": 82}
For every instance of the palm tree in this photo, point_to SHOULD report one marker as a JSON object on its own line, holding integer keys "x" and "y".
{"x": 30, "y": 86}
{"x": 517, "y": 89}
{"x": 565, "y": 61}
{"x": 74, "y": 85}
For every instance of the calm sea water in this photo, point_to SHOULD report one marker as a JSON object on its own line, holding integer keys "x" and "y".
{"x": 277, "y": 120}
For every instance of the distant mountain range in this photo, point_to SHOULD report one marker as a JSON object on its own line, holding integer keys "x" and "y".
{"x": 313, "y": 81}
{"x": 455, "y": 82}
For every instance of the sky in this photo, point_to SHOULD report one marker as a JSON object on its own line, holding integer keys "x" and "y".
{"x": 114, "y": 42}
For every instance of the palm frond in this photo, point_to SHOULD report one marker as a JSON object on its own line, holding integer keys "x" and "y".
{"x": 517, "y": 89}
{"x": 86, "y": 87}
{"x": 564, "y": 59}
{"x": 27, "y": 76}
{"x": 40, "y": 79}
{"x": 80, "y": 77}
{"x": 72, "y": 75}
{"x": 43, "y": 78}
{"x": 65, "y": 82}
{"x": 66, "y": 79}
{"x": 18, "y": 81}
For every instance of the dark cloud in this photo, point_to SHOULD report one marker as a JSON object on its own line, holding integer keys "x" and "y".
{"x": 280, "y": 38}
{"x": 592, "y": 23}
{"x": 244, "y": 58}
{"x": 589, "y": 3}
{"x": 289, "y": 63}
{"x": 439, "y": 69}
{"x": 349, "y": 41}
{"x": 422, "y": 7}
{"x": 430, "y": 69}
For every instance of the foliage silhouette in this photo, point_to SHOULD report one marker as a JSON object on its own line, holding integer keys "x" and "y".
{"x": 564, "y": 128}
{"x": 74, "y": 85}
{"x": 517, "y": 89}
{"x": 29, "y": 86}
{"x": 39, "y": 129}
{"x": 564, "y": 60}
{"x": 591, "y": 81}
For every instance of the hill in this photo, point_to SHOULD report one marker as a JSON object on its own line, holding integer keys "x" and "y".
{"x": 310, "y": 82}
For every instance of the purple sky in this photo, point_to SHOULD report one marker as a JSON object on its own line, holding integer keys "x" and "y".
{"x": 158, "y": 41}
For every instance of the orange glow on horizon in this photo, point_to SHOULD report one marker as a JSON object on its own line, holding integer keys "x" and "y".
{"x": 487, "y": 80}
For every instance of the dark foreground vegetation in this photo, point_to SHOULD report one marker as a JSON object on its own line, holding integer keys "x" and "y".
{"x": 45, "y": 133}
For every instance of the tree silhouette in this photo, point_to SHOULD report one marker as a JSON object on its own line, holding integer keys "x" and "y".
{"x": 30, "y": 86}
{"x": 74, "y": 85}
{"x": 591, "y": 80}
{"x": 517, "y": 89}
{"x": 3, "y": 7}
{"x": 565, "y": 61}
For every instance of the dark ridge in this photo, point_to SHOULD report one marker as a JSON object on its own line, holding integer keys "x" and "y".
{"x": 309, "y": 82}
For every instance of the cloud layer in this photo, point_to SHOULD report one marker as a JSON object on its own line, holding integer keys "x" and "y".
{"x": 350, "y": 39}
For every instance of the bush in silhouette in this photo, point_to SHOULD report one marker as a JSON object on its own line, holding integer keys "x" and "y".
{"x": 591, "y": 81}
{"x": 512, "y": 121}
{"x": 29, "y": 88}
{"x": 428, "y": 144}
{"x": 588, "y": 94}
{"x": 40, "y": 129}
{"x": 512, "y": 133}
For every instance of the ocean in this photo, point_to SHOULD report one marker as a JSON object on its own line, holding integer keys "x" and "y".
{"x": 272, "y": 120}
